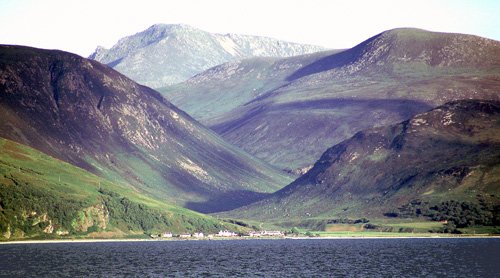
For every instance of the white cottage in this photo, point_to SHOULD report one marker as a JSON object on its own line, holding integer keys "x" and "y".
{"x": 226, "y": 233}
{"x": 198, "y": 235}
{"x": 166, "y": 235}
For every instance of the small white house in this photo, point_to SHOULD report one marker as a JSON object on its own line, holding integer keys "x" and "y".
{"x": 185, "y": 235}
{"x": 198, "y": 235}
{"x": 265, "y": 233}
{"x": 271, "y": 233}
{"x": 166, "y": 235}
{"x": 226, "y": 233}
{"x": 254, "y": 234}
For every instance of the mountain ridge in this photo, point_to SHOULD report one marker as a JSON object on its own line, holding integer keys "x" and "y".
{"x": 167, "y": 54}
{"x": 91, "y": 116}
{"x": 334, "y": 94}
{"x": 399, "y": 45}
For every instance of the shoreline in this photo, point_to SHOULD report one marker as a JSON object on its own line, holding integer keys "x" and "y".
{"x": 49, "y": 241}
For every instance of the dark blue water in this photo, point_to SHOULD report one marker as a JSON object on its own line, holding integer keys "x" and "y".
{"x": 256, "y": 258}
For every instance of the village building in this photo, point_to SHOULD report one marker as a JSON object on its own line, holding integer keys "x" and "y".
{"x": 226, "y": 233}
{"x": 185, "y": 235}
{"x": 254, "y": 234}
{"x": 198, "y": 235}
{"x": 265, "y": 233}
{"x": 166, "y": 235}
{"x": 271, "y": 233}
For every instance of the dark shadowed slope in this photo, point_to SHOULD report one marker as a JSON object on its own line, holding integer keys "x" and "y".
{"x": 449, "y": 153}
{"x": 89, "y": 115}
{"x": 288, "y": 111}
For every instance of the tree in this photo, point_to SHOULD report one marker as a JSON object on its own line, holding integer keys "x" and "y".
{"x": 295, "y": 231}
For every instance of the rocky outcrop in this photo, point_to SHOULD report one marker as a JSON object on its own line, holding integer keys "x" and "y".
{"x": 96, "y": 215}
{"x": 168, "y": 54}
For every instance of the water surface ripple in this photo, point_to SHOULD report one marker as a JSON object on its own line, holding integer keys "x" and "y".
{"x": 256, "y": 258}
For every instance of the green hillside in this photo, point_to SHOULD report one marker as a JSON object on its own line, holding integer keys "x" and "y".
{"x": 443, "y": 165}
{"x": 42, "y": 197}
{"x": 288, "y": 111}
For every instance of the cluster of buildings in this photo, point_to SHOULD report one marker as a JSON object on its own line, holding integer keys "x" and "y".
{"x": 183, "y": 235}
{"x": 221, "y": 233}
{"x": 266, "y": 233}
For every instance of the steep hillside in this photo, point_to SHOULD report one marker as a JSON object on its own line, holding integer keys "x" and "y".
{"x": 449, "y": 155}
{"x": 44, "y": 197}
{"x": 89, "y": 115}
{"x": 288, "y": 111}
{"x": 168, "y": 54}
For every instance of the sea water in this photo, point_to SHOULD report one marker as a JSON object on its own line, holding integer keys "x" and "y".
{"x": 424, "y": 257}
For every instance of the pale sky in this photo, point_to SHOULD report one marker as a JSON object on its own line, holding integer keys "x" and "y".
{"x": 79, "y": 26}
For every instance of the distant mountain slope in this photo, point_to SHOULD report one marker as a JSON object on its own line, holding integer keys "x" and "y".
{"x": 288, "y": 111}
{"x": 43, "y": 197}
{"x": 449, "y": 153}
{"x": 89, "y": 115}
{"x": 168, "y": 54}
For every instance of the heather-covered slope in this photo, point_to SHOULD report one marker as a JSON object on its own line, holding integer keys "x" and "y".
{"x": 288, "y": 111}
{"x": 89, "y": 115}
{"x": 449, "y": 155}
{"x": 168, "y": 54}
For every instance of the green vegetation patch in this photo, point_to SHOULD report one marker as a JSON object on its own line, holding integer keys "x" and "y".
{"x": 42, "y": 197}
{"x": 485, "y": 211}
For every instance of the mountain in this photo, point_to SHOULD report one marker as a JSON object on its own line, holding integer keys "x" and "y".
{"x": 42, "y": 197}
{"x": 447, "y": 156}
{"x": 168, "y": 54}
{"x": 287, "y": 111}
{"x": 89, "y": 115}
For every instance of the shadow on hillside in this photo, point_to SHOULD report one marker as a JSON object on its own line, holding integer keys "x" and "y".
{"x": 228, "y": 201}
{"x": 400, "y": 109}
{"x": 333, "y": 61}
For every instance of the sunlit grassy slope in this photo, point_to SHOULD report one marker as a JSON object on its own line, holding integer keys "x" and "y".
{"x": 41, "y": 196}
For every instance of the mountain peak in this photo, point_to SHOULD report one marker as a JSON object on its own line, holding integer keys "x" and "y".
{"x": 400, "y": 47}
{"x": 166, "y": 54}
{"x": 169, "y": 29}
{"x": 99, "y": 52}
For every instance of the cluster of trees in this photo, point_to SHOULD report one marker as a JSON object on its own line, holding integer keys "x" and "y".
{"x": 130, "y": 215}
{"x": 347, "y": 221}
{"x": 457, "y": 214}
{"x": 123, "y": 211}
{"x": 466, "y": 214}
{"x": 242, "y": 224}
{"x": 320, "y": 224}
{"x": 17, "y": 202}
{"x": 414, "y": 208}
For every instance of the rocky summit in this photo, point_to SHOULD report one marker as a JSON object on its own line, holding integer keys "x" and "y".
{"x": 91, "y": 116}
{"x": 287, "y": 111}
{"x": 449, "y": 154}
{"x": 168, "y": 54}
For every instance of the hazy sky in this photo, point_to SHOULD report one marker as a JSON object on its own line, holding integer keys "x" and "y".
{"x": 79, "y": 26}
